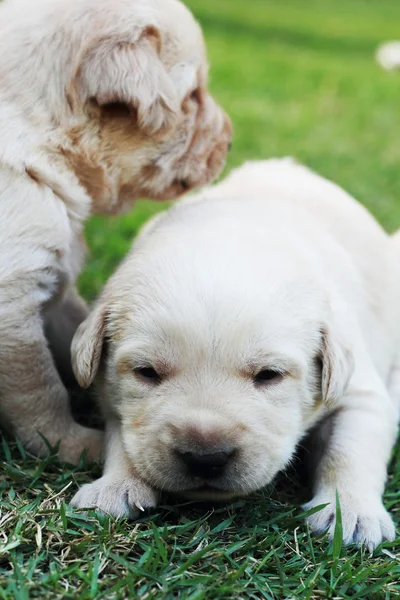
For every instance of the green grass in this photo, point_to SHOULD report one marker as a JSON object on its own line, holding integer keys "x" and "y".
{"x": 298, "y": 77}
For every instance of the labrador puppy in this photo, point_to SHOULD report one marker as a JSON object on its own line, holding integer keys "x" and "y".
{"x": 243, "y": 318}
{"x": 101, "y": 102}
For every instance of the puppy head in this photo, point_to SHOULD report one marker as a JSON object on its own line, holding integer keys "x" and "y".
{"x": 117, "y": 92}
{"x": 215, "y": 371}
{"x": 143, "y": 121}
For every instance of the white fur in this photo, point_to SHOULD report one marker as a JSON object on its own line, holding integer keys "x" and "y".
{"x": 101, "y": 102}
{"x": 274, "y": 268}
{"x": 388, "y": 55}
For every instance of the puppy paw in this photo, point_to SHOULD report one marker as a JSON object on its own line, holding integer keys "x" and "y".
{"x": 118, "y": 498}
{"x": 365, "y": 521}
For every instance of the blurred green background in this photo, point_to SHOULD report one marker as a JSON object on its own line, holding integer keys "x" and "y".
{"x": 298, "y": 77}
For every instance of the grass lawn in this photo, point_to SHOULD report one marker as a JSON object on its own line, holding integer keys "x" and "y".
{"x": 298, "y": 77}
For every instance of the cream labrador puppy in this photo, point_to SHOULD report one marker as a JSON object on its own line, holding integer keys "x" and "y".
{"x": 101, "y": 102}
{"x": 243, "y": 318}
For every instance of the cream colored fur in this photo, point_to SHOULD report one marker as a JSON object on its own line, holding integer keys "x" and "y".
{"x": 274, "y": 270}
{"x": 101, "y": 102}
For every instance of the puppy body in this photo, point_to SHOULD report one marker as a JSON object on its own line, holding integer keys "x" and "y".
{"x": 232, "y": 329}
{"x": 100, "y": 103}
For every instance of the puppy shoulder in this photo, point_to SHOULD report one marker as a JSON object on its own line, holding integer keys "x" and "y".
{"x": 149, "y": 227}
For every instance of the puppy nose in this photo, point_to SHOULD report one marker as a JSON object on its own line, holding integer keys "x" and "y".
{"x": 208, "y": 465}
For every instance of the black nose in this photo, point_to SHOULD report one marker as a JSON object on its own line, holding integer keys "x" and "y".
{"x": 206, "y": 466}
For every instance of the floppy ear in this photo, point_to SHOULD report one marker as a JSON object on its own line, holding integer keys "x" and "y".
{"x": 132, "y": 73}
{"x": 87, "y": 346}
{"x": 337, "y": 366}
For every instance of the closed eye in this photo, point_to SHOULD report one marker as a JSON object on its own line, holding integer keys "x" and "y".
{"x": 195, "y": 95}
{"x": 266, "y": 377}
{"x": 148, "y": 375}
{"x": 192, "y": 98}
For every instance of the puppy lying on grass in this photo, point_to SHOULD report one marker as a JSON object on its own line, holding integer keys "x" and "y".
{"x": 101, "y": 102}
{"x": 241, "y": 319}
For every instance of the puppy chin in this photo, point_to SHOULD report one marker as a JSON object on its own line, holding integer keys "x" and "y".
{"x": 207, "y": 491}
{"x": 210, "y": 494}
{"x": 194, "y": 174}
{"x": 177, "y": 188}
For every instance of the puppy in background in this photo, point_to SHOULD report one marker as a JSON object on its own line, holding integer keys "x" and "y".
{"x": 388, "y": 56}
{"x": 243, "y": 318}
{"x": 101, "y": 102}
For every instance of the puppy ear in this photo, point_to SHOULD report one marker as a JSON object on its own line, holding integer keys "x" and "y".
{"x": 337, "y": 366}
{"x": 132, "y": 73}
{"x": 87, "y": 346}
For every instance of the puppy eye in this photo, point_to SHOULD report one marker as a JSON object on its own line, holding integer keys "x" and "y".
{"x": 191, "y": 98}
{"x": 195, "y": 95}
{"x": 148, "y": 375}
{"x": 266, "y": 376}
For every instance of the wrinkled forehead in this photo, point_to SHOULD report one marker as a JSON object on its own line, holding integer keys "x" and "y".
{"x": 200, "y": 294}
{"x": 230, "y": 331}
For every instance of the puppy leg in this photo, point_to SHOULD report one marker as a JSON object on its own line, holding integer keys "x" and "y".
{"x": 119, "y": 492}
{"x": 33, "y": 400}
{"x": 61, "y": 322}
{"x": 354, "y": 464}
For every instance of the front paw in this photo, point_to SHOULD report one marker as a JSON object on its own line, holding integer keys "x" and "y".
{"x": 118, "y": 498}
{"x": 365, "y": 521}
